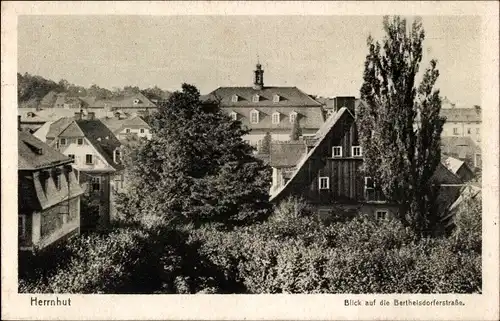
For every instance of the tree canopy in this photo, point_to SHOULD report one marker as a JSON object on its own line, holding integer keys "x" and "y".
{"x": 399, "y": 123}
{"x": 196, "y": 167}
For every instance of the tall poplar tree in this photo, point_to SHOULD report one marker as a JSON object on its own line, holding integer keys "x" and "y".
{"x": 399, "y": 123}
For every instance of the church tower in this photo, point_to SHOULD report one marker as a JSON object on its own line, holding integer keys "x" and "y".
{"x": 258, "y": 83}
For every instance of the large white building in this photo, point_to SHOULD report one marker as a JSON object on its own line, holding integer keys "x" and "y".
{"x": 269, "y": 109}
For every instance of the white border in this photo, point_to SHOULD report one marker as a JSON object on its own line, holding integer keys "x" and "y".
{"x": 126, "y": 307}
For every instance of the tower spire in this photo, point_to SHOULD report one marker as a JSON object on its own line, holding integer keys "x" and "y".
{"x": 258, "y": 83}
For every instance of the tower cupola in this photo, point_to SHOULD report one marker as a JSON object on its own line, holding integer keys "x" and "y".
{"x": 258, "y": 83}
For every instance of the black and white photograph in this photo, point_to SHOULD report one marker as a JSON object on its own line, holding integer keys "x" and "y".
{"x": 218, "y": 154}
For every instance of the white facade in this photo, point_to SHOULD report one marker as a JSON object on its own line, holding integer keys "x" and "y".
{"x": 471, "y": 129}
{"x": 140, "y": 132}
{"x": 85, "y": 155}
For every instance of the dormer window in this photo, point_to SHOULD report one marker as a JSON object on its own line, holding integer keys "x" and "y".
{"x": 234, "y": 116}
{"x": 234, "y": 99}
{"x": 255, "y": 98}
{"x": 276, "y": 118}
{"x": 293, "y": 117}
{"x": 136, "y": 101}
{"x": 254, "y": 116}
{"x": 276, "y": 98}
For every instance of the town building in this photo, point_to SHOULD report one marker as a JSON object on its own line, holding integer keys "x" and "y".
{"x": 270, "y": 109}
{"x": 462, "y": 122}
{"x": 463, "y": 148}
{"x": 97, "y": 162}
{"x": 129, "y": 104}
{"x": 123, "y": 127}
{"x": 48, "y": 195}
{"x": 458, "y": 167}
{"x": 325, "y": 170}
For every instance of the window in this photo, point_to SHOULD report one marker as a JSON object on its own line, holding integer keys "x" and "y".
{"x": 136, "y": 101}
{"x": 369, "y": 184}
{"x": 337, "y": 151}
{"x": 127, "y": 130}
{"x": 293, "y": 117}
{"x": 142, "y": 130}
{"x": 234, "y": 116}
{"x": 357, "y": 151}
{"x": 21, "y": 229}
{"x": 276, "y": 118}
{"x": 276, "y": 98}
{"x": 79, "y": 141}
{"x": 57, "y": 181}
{"x": 88, "y": 159}
{"x": 455, "y": 131}
{"x": 234, "y": 99}
{"x": 72, "y": 156}
{"x": 62, "y": 141}
{"x": 116, "y": 156}
{"x": 254, "y": 117}
{"x": 468, "y": 131}
{"x": 95, "y": 184}
{"x": 381, "y": 215}
{"x": 477, "y": 160}
{"x": 477, "y": 130}
{"x": 255, "y": 98}
{"x": 324, "y": 183}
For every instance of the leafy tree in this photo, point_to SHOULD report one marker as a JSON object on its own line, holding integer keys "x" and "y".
{"x": 401, "y": 153}
{"x": 296, "y": 130}
{"x": 265, "y": 147}
{"x": 31, "y": 87}
{"x": 196, "y": 167}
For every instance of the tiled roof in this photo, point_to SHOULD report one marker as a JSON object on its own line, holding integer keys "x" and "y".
{"x": 41, "y": 133}
{"x": 286, "y": 154}
{"x": 461, "y": 114}
{"x": 102, "y": 138}
{"x": 126, "y": 101}
{"x": 289, "y": 97}
{"x": 35, "y": 154}
{"x": 116, "y": 124}
{"x": 453, "y": 164}
{"x": 58, "y": 126}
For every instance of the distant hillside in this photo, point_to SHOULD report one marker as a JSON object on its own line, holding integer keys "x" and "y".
{"x": 33, "y": 90}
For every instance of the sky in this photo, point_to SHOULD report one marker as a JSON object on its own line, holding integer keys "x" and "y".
{"x": 321, "y": 55}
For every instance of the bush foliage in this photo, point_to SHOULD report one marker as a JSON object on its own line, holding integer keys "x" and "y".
{"x": 291, "y": 252}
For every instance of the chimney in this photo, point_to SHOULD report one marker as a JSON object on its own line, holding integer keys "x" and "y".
{"x": 91, "y": 115}
{"x": 345, "y": 101}
{"x": 78, "y": 116}
{"x": 18, "y": 122}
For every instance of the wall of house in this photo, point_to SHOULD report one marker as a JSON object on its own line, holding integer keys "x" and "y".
{"x": 134, "y": 131}
{"x": 56, "y": 222}
{"x": 80, "y": 152}
{"x": 327, "y": 212}
{"x": 103, "y": 196}
{"x": 472, "y": 130}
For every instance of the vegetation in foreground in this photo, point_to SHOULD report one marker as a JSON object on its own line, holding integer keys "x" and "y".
{"x": 291, "y": 252}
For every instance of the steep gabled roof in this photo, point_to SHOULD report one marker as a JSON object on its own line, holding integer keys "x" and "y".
{"x": 101, "y": 138}
{"x": 453, "y": 164}
{"x": 57, "y": 127}
{"x": 301, "y": 166}
{"x": 35, "y": 154}
{"x": 286, "y": 154}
